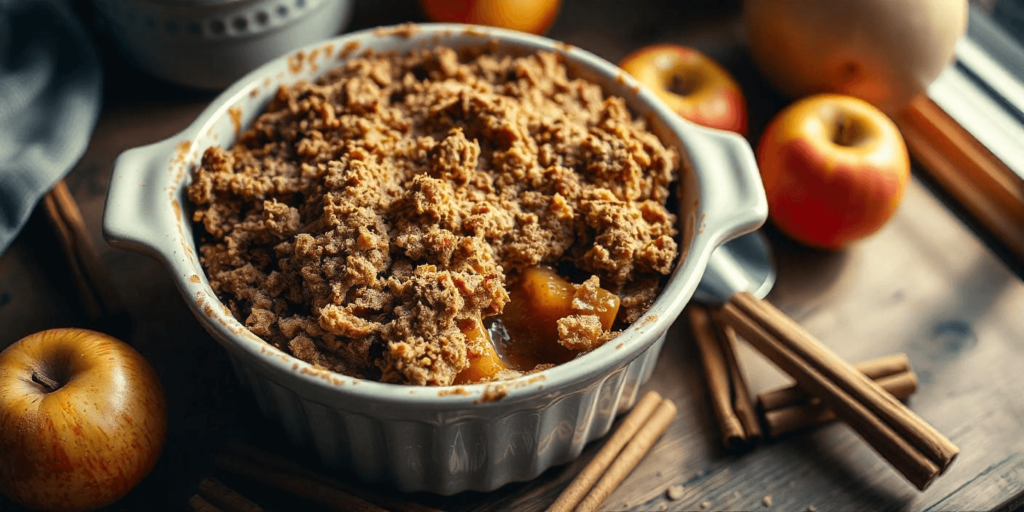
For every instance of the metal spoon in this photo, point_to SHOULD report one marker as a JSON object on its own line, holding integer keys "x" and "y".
{"x": 743, "y": 264}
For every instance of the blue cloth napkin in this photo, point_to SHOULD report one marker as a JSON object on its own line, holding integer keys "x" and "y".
{"x": 49, "y": 100}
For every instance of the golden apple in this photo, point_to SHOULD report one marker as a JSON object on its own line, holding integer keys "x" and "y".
{"x": 882, "y": 51}
{"x": 834, "y": 170}
{"x": 533, "y": 16}
{"x": 691, "y": 84}
{"x": 82, "y": 420}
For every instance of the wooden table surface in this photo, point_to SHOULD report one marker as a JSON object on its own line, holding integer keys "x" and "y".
{"x": 924, "y": 285}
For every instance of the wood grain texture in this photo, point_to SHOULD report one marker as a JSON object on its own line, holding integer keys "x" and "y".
{"x": 924, "y": 285}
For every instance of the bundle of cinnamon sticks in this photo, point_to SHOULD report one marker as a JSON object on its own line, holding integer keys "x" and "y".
{"x": 865, "y": 396}
{"x": 781, "y": 411}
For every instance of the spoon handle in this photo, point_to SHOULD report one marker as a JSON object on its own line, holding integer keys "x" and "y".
{"x": 911, "y": 445}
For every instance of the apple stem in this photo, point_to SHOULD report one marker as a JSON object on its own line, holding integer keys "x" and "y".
{"x": 683, "y": 84}
{"x": 845, "y": 134}
{"x": 48, "y": 383}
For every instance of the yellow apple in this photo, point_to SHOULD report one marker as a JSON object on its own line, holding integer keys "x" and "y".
{"x": 82, "y": 420}
{"x": 533, "y": 16}
{"x": 882, "y": 51}
{"x": 834, "y": 169}
{"x": 691, "y": 84}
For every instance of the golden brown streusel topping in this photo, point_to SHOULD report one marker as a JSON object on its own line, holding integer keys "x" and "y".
{"x": 362, "y": 216}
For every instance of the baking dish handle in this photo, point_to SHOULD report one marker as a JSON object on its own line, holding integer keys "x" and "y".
{"x": 733, "y": 201}
{"x": 138, "y": 214}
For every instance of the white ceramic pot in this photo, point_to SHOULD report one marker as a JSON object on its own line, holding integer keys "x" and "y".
{"x": 428, "y": 438}
{"x": 208, "y": 44}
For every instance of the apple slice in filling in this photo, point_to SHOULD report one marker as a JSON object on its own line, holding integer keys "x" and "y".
{"x": 484, "y": 362}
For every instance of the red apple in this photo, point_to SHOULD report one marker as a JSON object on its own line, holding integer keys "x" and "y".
{"x": 834, "y": 169}
{"x": 691, "y": 84}
{"x": 82, "y": 420}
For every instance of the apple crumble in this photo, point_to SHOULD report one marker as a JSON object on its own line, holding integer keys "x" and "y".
{"x": 382, "y": 221}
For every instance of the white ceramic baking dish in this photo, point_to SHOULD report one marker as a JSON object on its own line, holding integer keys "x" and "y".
{"x": 444, "y": 440}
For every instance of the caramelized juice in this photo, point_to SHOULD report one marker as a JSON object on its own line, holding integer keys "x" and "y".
{"x": 536, "y": 303}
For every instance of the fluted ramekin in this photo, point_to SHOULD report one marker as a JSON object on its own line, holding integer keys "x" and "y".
{"x": 451, "y": 439}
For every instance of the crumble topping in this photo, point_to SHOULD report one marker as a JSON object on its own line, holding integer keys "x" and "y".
{"x": 362, "y": 216}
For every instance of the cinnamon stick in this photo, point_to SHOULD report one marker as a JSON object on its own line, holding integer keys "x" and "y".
{"x": 873, "y": 369}
{"x": 909, "y": 425}
{"x": 742, "y": 402}
{"x": 801, "y": 415}
{"x": 913, "y": 447}
{"x": 590, "y": 474}
{"x": 300, "y": 487}
{"x": 730, "y": 397}
{"x": 198, "y": 504}
{"x": 98, "y": 298}
{"x": 252, "y": 455}
{"x": 631, "y": 455}
{"x": 717, "y": 378}
{"x": 224, "y": 497}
